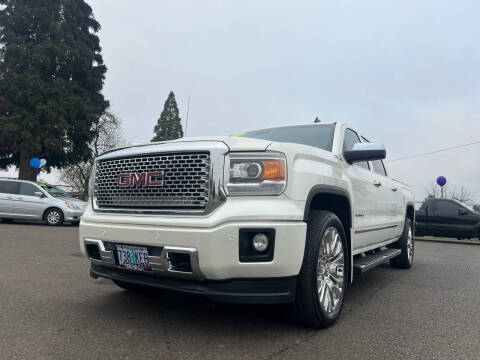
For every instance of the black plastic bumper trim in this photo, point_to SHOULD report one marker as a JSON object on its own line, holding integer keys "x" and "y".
{"x": 242, "y": 291}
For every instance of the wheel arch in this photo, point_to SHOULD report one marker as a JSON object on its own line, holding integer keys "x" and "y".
{"x": 337, "y": 200}
{"x": 410, "y": 212}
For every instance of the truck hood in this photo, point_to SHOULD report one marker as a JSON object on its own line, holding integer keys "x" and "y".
{"x": 232, "y": 142}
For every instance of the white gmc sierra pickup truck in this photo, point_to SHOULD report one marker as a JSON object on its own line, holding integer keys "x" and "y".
{"x": 280, "y": 215}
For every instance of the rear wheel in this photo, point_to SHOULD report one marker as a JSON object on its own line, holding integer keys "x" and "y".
{"x": 406, "y": 244}
{"x": 6, "y": 220}
{"x": 322, "y": 282}
{"x": 53, "y": 217}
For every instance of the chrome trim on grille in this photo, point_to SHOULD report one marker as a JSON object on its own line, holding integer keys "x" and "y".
{"x": 107, "y": 257}
{"x": 215, "y": 191}
{"x": 160, "y": 265}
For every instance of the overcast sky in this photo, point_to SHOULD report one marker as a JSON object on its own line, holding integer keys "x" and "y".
{"x": 406, "y": 73}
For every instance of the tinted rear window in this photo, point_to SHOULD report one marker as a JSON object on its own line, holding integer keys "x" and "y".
{"x": 28, "y": 189}
{"x": 447, "y": 207}
{"x": 320, "y": 136}
{"x": 379, "y": 168}
{"x": 8, "y": 187}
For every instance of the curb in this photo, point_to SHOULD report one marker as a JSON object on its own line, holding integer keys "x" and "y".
{"x": 449, "y": 241}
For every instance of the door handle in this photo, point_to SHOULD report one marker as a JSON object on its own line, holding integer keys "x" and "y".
{"x": 377, "y": 183}
{"x": 19, "y": 198}
{"x": 394, "y": 189}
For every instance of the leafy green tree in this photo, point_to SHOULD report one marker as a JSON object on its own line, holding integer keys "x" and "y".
{"x": 51, "y": 77}
{"x": 169, "y": 125}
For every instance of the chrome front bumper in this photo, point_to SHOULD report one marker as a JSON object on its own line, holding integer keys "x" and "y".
{"x": 160, "y": 265}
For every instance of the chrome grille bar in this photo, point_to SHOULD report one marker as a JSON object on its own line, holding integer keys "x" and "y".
{"x": 154, "y": 181}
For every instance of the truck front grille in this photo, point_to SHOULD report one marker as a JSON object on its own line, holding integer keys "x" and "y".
{"x": 155, "y": 181}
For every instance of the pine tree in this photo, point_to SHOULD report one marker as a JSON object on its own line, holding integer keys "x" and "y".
{"x": 169, "y": 125}
{"x": 51, "y": 77}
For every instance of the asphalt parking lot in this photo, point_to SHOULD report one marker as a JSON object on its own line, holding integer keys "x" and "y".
{"x": 51, "y": 309}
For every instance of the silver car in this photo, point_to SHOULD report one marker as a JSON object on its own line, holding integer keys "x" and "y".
{"x": 20, "y": 199}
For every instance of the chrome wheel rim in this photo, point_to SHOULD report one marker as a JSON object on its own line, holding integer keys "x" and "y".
{"x": 330, "y": 270}
{"x": 410, "y": 244}
{"x": 53, "y": 217}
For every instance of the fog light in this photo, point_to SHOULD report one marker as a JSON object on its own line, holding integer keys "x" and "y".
{"x": 260, "y": 242}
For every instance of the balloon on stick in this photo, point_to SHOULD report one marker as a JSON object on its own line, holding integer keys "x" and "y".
{"x": 35, "y": 162}
{"x": 441, "y": 181}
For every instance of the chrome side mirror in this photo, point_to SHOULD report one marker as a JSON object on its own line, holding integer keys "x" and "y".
{"x": 365, "y": 152}
{"x": 39, "y": 194}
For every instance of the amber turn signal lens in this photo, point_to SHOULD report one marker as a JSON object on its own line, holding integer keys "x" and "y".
{"x": 273, "y": 170}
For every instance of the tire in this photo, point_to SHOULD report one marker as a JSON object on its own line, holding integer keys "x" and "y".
{"x": 75, "y": 223}
{"x": 7, "y": 220}
{"x": 53, "y": 217}
{"x": 129, "y": 286}
{"x": 406, "y": 244}
{"x": 325, "y": 267}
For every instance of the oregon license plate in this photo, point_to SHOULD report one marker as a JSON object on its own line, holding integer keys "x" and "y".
{"x": 133, "y": 257}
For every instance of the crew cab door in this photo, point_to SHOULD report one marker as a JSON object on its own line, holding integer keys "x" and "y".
{"x": 390, "y": 201}
{"x": 365, "y": 199}
{"x": 421, "y": 219}
{"x": 27, "y": 204}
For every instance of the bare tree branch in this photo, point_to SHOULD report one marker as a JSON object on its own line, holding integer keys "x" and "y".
{"x": 461, "y": 194}
{"x": 108, "y": 134}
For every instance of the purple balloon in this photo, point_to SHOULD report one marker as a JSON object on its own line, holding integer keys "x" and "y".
{"x": 441, "y": 181}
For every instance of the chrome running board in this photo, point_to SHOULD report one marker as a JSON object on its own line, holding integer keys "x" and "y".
{"x": 368, "y": 262}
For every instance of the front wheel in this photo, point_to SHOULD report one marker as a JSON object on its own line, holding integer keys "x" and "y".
{"x": 322, "y": 282}
{"x": 53, "y": 217}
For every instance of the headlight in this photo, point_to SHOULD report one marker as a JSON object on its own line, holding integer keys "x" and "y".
{"x": 72, "y": 205}
{"x": 255, "y": 173}
{"x": 91, "y": 181}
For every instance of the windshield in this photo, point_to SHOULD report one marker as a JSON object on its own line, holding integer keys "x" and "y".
{"x": 465, "y": 206}
{"x": 53, "y": 190}
{"x": 320, "y": 136}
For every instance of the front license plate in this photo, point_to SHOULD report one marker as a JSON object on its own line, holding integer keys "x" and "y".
{"x": 133, "y": 257}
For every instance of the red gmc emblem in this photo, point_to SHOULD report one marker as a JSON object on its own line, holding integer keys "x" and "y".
{"x": 143, "y": 179}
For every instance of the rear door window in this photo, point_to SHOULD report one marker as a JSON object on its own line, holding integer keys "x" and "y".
{"x": 447, "y": 208}
{"x": 28, "y": 189}
{"x": 379, "y": 168}
{"x": 8, "y": 187}
{"x": 350, "y": 139}
{"x": 377, "y": 165}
